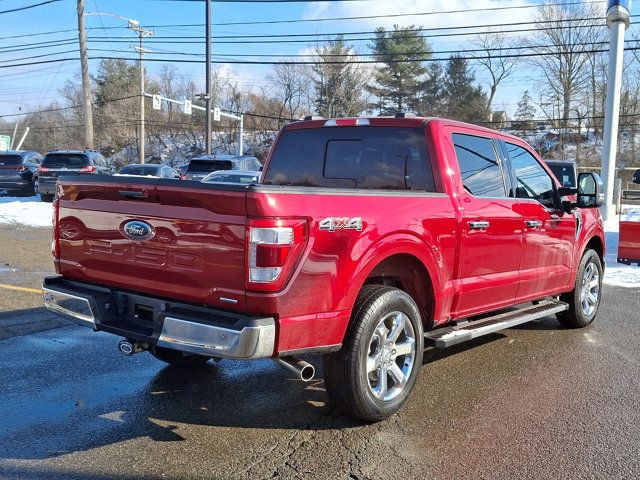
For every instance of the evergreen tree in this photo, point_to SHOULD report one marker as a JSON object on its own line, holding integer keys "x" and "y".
{"x": 116, "y": 79}
{"x": 116, "y": 120}
{"x": 525, "y": 113}
{"x": 464, "y": 101}
{"x": 431, "y": 99}
{"x": 399, "y": 79}
{"x": 339, "y": 83}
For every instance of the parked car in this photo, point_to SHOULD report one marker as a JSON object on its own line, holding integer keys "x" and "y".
{"x": 59, "y": 163}
{"x": 202, "y": 166}
{"x": 147, "y": 170}
{"x": 368, "y": 239}
{"x": 636, "y": 176}
{"x": 233, "y": 176}
{"x": 565, "y": 171}
{"x": 18, "y": 171}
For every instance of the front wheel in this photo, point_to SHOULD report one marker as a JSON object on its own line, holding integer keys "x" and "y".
{"x": 179, "y": 359}
{"x": 584, "y": 299}
{"x": 374, "y": 372}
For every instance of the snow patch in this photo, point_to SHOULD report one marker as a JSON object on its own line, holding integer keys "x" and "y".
{"x": 617, "y": 274}
{"x": 26, "y": 211}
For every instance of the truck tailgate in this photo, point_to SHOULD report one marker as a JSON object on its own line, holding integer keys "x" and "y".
{"x": 179, "y": 240}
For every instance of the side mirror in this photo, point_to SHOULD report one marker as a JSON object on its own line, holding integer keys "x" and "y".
{"x": 636, "y": 176}
{"x": 590, "y": 190}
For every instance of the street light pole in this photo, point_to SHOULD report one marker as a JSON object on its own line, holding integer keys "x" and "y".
{"x": 87, "y": 100}
{"x": 618, "y": 19}
{"x": 135, "y": 26}
{"x": 208, "y": 84}
{"x": 142, "y": 33}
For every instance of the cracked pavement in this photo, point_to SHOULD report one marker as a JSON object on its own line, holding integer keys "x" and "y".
{"x": 532, "y": 402}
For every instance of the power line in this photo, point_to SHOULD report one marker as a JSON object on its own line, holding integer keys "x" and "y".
{"x": 19, "y": 9}
{"x": 325, "y": 34}
{"x": 71, "y": 107}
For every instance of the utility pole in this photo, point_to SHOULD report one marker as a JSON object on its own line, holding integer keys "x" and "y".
{"x": 142, "y": 33}
{"x": 618, "y": 19}
{"x": 208, "y": 73}
{"x": 86, "y": 86}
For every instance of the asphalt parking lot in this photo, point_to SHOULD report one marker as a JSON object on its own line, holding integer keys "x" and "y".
{"x": 533, "y": 402}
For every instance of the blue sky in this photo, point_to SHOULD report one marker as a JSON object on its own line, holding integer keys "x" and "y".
{"x": 34, "y": 86}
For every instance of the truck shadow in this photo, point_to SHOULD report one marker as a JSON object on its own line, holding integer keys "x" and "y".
{"x": 238, "y": 395}
{"x": 167, "y": 404}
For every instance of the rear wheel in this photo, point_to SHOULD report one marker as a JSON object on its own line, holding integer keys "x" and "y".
{"x": 35, "y": 187}
{"x": 584, "y": 299}
{"x": 374, "y": 372}
{"x": 179, "y": 359}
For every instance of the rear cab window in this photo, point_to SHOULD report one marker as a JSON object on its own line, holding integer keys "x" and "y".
{"x": 142, "y": 170}
{"x": 65, "y": 160}
{"x": 10, "y": 160}
{"x": 393, "y": 158}
{"x": 208, "y": 166}
{"x": 564, "y": 172}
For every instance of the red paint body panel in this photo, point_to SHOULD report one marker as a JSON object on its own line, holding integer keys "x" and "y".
{"x": 198, "y": 253}
{"x": 629, "y": 243}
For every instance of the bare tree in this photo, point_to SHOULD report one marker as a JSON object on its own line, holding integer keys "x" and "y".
{"x": 493, "y": 57}
{"x": 291, "y": 84}
{"x": 568, "y": 33}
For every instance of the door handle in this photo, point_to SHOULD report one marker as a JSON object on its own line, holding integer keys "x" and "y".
{"x": 479, "y": 225}
{"x": 533, "y": 223}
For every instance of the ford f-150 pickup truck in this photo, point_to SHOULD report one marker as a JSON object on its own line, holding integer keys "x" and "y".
{"x": 366, "y": 240}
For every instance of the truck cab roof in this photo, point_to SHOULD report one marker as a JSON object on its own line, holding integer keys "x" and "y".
{"x": 399, "y": 120}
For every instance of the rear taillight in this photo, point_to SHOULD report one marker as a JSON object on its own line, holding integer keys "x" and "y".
{"x": 88, "y": 169}
{"x": 55, "y": 214}
{"x": 43, "y": 169}
{"x": 274, "y": 248}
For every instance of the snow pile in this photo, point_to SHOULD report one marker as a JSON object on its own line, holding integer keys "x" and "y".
{"x": 26, "y": 211}
{"x": 616, "y": 273}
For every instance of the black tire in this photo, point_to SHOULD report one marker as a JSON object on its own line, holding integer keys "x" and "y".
{"x": 179, "y": 359}
{"x": 46, "y": 197}
{"x": 578, "y": 315}
{"x": 33, "y": 188}
{"x": 347, "y": 379}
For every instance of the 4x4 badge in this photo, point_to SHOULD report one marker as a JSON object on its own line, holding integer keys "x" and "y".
{"x": 338, "y": 223}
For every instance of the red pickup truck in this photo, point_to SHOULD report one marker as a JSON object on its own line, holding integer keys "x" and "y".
{"x": 366, "y": 240}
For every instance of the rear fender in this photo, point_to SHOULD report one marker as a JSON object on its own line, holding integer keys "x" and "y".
{"x": 399, "y": 244}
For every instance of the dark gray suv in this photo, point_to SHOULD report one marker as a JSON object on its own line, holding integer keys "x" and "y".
{"x": 59, "y": 163}
{"x": 202, "y": 166}
{"x": 18, "y": 171}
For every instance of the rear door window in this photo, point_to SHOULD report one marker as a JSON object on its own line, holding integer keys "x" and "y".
{"x": 479, "y": 167}
{"x": 533, "y": 181}
{"x": 352, "y": 157}
{"x": 65, "y": 160}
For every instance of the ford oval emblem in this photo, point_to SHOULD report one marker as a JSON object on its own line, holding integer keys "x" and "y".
{"x": 138, "y": 230}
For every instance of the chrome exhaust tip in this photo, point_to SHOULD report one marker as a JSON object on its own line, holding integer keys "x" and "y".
{"x": 303, "y": 370}
{"x": 126, "y": 348}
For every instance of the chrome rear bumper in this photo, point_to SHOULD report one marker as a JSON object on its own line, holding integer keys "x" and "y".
{"x": 169, "y": 324}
